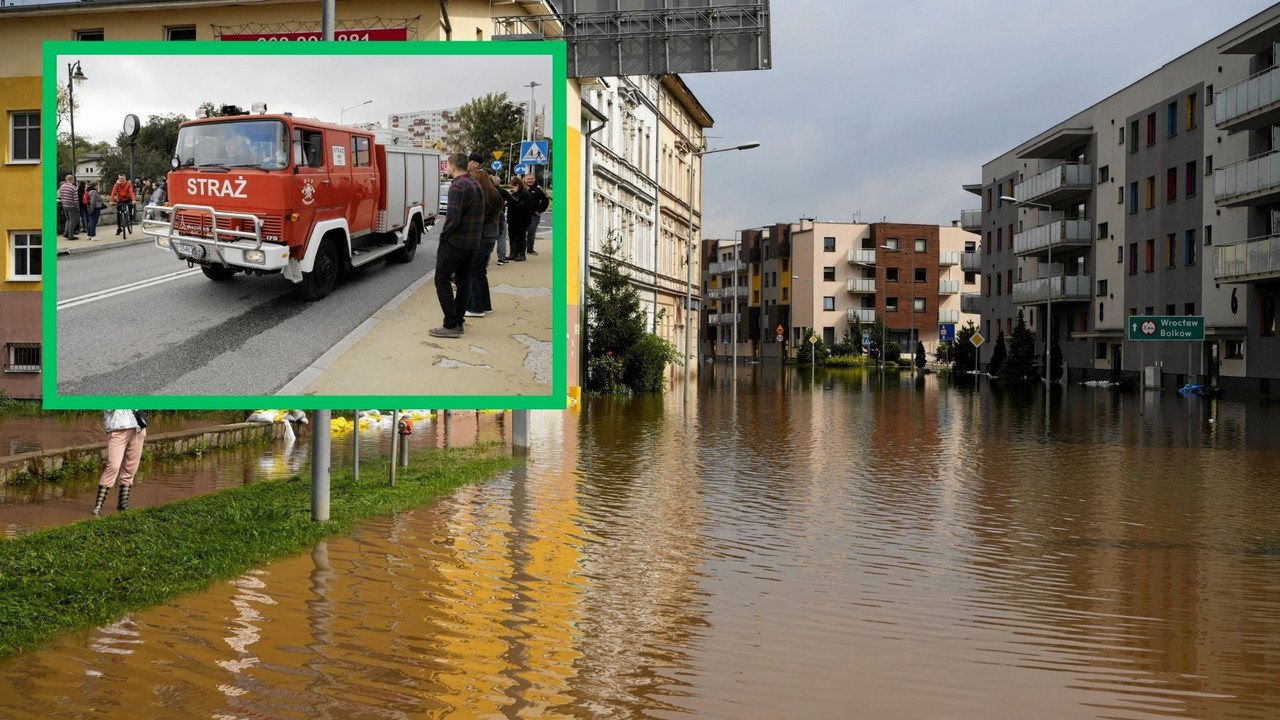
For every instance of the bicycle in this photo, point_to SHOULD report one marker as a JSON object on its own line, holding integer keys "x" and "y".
{"x": 124, "y": 218}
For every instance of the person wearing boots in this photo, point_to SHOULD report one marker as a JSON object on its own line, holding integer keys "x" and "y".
{"x": 126, "y": 433}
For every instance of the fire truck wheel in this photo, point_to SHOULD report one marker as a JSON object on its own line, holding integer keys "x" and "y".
{"x": 406, "y": 253}
{"x": 217, "y": 273}
{"x": 324, "y": 274}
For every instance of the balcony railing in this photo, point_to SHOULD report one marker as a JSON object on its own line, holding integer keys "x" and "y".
{"x": 1057, "y": 182}
{"x": 971, "y": 303}
{"x": 725, "y": 268}
{"x": 1060, "y": 233}
{"x": 1253, "y": 260}
{"x": 1248, "y": 181}
{"x": 948, "y": 287}
{"x": 865, "y": 316}
{"x": 971, "y": 262}
{"x": 1238, "y": 106}
{"x": 723, "y": 318}
{"x": 862, "y": 285}
{"x": 971, "y": 220}
{"x": 948, "y": 316}
{"x": 729, "y": 292}
{"x": 862, "y": 257}
{"x": 949, "y": 257}
{"x": 1062, "y": 287}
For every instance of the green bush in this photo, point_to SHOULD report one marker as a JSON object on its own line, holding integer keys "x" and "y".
{"x": 605, "y": 373}
{"x": 893, "y": 352}
{"x": 645, "y": 365}
{"x": 847, "y": 361}
{"x": 904, "y": 362}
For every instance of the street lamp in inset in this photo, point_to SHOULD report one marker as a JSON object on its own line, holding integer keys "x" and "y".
{"x": 688, "y": 295}
{"x": 74, "y": 77}
{"x": 1048, "y": 313}
{"x": 531, "y": 86}
{"x": 911, "y": 256}
{"x": 343, "y": 111}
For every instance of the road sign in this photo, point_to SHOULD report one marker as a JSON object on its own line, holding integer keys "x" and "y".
{"x": 813, "y": 339}
{"x": 521, "y": 169}
{"x": 497, "y": 154}
{"x": 779, "y": 338}
{"x": 866, "y": 341}
{"x": 977, "y": 339}
{"x": 947, "y": 332}
{"x": 496, "y": 164}
{"x": 533, "y": 152}
{"x": 779, "y": 330}
{"x": 1166, "y": 327}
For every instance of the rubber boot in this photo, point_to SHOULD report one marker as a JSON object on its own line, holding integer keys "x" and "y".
{"x": 103, "y": 492}
{"x": 124, "y": 497}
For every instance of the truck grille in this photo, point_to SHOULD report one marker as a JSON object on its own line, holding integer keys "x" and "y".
{"x": 199, "y": 224}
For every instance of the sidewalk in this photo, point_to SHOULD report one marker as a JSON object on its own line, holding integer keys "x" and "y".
{"x": 505, "y": 353}
{"x": 107, "y": 239}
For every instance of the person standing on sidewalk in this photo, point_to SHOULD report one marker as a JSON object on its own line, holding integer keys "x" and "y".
{"x": 70, "y": 204}
{"x": 83, "y": 199}
{"x": 126, "y": 433}
{"x": 479, "y": 303}
{"x": 459, "y": 238}
{"x": 540, "y": 204}
{"x": 518, "y": 218}
{"x": 122, "y": 197}
{"x": 96, "y": 203}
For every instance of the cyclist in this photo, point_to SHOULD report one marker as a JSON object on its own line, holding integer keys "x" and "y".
{"x": 122, "y": 197}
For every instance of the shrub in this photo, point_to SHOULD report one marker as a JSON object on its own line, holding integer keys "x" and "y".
{"x": 847, "y": 361}
{"x": 606, "y": 375}
{"x": 645, "y": 364}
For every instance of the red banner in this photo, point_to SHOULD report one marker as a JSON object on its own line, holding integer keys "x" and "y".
{"x": 317, "y": 35}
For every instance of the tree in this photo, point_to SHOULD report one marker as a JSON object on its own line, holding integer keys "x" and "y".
{"x": 877, "y": 335}
{"x": 996, "y": 365}
{"x": 811, "y": 352}
{"x": 855, "y": 334}
{"x": 850, "y": 343}
{"x": 964, "y": 351}
{"x": 1055, "y": 361}
{"x": 490, "y": 123}
{"x": 621, "y": 356}
{"x": 943, "y": 352}
{"x": 1021, "y": 364}
{"x": 920, "y": 357}
{"x": 154, "y": 146}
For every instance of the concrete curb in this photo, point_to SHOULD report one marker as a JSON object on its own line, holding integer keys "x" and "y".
{"x": 65, "y": 250}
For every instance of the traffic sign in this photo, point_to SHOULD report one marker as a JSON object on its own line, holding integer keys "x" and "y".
{"x": 1166, "y": 327}
{"x": 813, "y": 339}
{"x": 947, "y": 332}
{"x": 533, "y": 152}
{"x": 866, "y": 341}
{"x": 977, "y": 339}
{"x": 521, "y": 169}
{"x": 496, "y": 164}
{"x": 779, "y": 338}
{"x": 497, "y": 154}
{"x": 779, "y": 329}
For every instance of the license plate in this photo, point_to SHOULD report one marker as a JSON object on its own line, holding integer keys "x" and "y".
{"x": 193, "y": 251}
{"x": 183, "y": 248}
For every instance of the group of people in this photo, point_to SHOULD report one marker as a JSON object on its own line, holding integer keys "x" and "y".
{"x": 482, "y": 216}
{"x": 82, "y": 203}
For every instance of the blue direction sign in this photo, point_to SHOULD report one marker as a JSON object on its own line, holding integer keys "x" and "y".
{"x": 1166, "y": 327}
{"x": 946, "y": 332}
{"x": 496, "y": 164}
{"x": 521, "y": 169}
{"x": 533, "y": 152}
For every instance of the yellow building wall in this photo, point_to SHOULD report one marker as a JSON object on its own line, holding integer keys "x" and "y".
{"x": 20, "y": 197}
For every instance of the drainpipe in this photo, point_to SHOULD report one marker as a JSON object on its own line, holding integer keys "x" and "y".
{"x": 444, "y": 20}
{"x": 586, "y": 244}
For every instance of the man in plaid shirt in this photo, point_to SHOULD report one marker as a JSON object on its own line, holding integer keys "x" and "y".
{"x": 69, "y": 201}
{"x": 459, "y": 239}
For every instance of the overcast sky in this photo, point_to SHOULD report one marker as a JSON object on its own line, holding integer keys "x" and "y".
{"x": 887, "y": 108}
{"x": 317, "y": 86}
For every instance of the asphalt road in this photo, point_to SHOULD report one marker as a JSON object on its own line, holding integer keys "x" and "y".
{"x": 136, "y": 321}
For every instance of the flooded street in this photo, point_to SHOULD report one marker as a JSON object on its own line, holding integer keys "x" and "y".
{"x": 869, "y": 547}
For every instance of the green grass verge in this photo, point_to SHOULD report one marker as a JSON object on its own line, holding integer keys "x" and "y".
{"x": 94, "y": 571}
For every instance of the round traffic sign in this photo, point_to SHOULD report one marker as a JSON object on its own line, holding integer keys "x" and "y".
{"x": 779, "y": 338}
{"x": 496, "y": 164}
{"x": 1148, "y": 327}
{"x": 521, "y": 169}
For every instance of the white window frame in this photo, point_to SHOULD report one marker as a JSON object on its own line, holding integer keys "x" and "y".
{"x": 168, "y": 32}
{"x": 11, "y": 364}
{"x": 13, "y": 129}
{"x": 828, "y": 303}
{"x": 919, "y": 305}
{"x": 29, "y": 249}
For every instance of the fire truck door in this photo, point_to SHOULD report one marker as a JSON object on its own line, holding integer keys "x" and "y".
{"x": 314, "y": 196}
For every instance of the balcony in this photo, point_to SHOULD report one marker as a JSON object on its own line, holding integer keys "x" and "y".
{"x": 1249, "y": 104}
{"x": 866, "y": 316}
{"x": 971, "y": 262}
{"x": 1254, "y": 260}
{"x": 1057, "y": 183}
{"x": 862, "y": 257}
{"x": 1061, "y": 234}
{"x": 971, "y": 220}
{"x": 971, "y": 303}
{"x": 1255, "y": 181}
{"x": 729, "y": 292}
{"x": 946, "y": 317}
{"x": 726, "y": 268}
{"x": 949, "y": 257}
{"x": 1064, "y": 288}
{"x": 862, "y": 285}
{"x": 723, "y": 318}
{"x": 948, "y": 287}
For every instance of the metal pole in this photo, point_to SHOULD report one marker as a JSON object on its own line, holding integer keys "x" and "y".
{"x": 688, "y": 290}
{"x": 132, "y": 174}
{"x": 71, "y": 107}
{"x": 326, "y": 18}
{"x": 912, "y": 258}
{"x": 320, "y": 467}
{"x": 395, "y": 442}
{"x": 519, "y": 431}
{"x": 355, "y": 446}
{"x": 735, "y": 309}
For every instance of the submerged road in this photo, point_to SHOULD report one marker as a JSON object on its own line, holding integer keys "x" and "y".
{"x": 136, "y": 321}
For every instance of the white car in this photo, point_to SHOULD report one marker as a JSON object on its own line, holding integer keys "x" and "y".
{"x": 444, "y": 198}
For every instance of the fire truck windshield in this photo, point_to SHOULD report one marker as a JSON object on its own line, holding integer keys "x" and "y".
{"x": 235, "y": 143}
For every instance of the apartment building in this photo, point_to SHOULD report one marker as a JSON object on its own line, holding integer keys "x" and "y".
{"x": 1162, "y": 199}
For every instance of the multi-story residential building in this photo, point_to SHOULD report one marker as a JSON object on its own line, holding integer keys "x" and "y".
{"x": 1162, "y": 199}
{"x": 21, "y": 238}
{"x": 442, "y": 129}
{"x": 727, "y": 293}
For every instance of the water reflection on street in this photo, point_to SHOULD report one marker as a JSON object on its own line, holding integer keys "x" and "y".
{"x": 862, "y": 546}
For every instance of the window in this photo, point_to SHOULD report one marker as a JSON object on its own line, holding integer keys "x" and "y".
{"x": 1120, "y": 195}
{"x": 1102, "y": 288}
{"x": 1133, "y": 197}
{"x": 24, "y": 137}
{"x": 1121, "y": 135}
{"x": 1100, "y": 350}
{"x": 1191, "y": 179}
{"x": 1268, "y": 317}
{"x": 1171, "y": 250}
{"x": 921, "y": 275}
{"x": 828, "y": 274}
{"x": 988, "y": 286}
{"x": 921, "y": 244}
{"x": 828, "y": 244}
{"x": 1008, "y": 282}
{"x": 970, "y": 278}
{"x": 1191, "y": 111}
{"x": 999, "y": 239}
{"x": 1208, "y": 235}
{"x": 1235, "y": 350}
{"x": 1151, "y": 192}
{"x": 90, "y": 35}
{"x": 829, "y": 336}
{"x": 360, "y": 152}
{"x": 1009, "y": 234}
{"x": 1171, "y": 121}
{"x": 1168, "y": 310}
{"x": 1171, "y": 185}
{"x": 1119, "y": 254}
{"x": 988, "y": 202}
{"x": 23, "y": 358}
{"x": 1133, "y": 136}
{"x": 1189, "y": 253}
{"x": 1102, "y": 231}
{"x": 1150, "y": 310}
{"x": 1133, "y": 258}
{"x": 1150, "y": 256}
{"x": 182, "y": 32}
{"x": 999, "y": 286}
{"x": 1151, "y": 129}
{"x": 1101, "y": 305}
{"x": 1104, "y": 174}
{"x": 1188, "y": 308}
{"x": 970, "y": 246}
{"x": 919, "y": 306}
{"x": 892, "y": 243}
{"x": 786, "y": 294}
{"x": 891, "y": 304}
{"x": 24, "y": 256}
{"x": 829, "y": 302}
{"x": 988, "y": 242}
{"x": 1208, "y": 165}
{"x": 755, "y": 297}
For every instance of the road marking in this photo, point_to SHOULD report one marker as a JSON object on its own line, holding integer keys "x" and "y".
{"x": 122, "y": 289}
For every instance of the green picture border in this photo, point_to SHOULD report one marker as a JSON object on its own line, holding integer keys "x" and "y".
{"x": 558, "y": 397}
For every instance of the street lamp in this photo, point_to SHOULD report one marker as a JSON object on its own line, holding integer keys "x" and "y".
{"x": 688, "y": 294}
{"x": 1048, "y": 313}
{"x": 911, "y": 256}
{"x": 531, "y": 86}
{"x": 74, "y": 77}
{"x": 343, "y": 111}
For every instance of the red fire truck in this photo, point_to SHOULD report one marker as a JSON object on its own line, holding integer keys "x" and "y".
{"x": 263, "y": 194}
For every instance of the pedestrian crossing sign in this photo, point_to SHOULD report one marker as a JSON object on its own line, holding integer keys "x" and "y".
{"x": 533, "y": 152}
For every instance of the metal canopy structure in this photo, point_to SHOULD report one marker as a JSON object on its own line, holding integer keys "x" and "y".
{"x": 608, "y": 38}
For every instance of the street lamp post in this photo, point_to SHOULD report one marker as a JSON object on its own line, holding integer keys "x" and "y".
{"x": 74, "y": 77}
{"x": 1048, "y": 313}
{"x": 911, "y": 257}
{"x": 688, "y": 293}
{"x": 531, "y": 86}
{"x": 343, "y": 111}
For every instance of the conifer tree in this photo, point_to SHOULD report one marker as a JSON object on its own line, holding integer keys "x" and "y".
{"x": 1021, "y": 364}
{"x": 996, "y": 365}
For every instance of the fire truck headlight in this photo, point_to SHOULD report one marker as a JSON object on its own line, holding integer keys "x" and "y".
{"x": 255, "y": 256}
{"x": 162, "y": 241}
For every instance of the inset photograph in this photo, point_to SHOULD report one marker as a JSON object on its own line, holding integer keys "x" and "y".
{"x": 267, "y": 221}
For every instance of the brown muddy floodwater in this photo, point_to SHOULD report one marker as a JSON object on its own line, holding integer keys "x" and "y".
{"x": 865, "y": 548}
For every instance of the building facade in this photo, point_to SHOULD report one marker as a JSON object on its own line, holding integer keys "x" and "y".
{"x": 1162, "y": 199}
